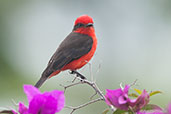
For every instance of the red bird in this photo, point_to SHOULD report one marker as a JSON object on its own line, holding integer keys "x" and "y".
{"x": 75, "y": 50}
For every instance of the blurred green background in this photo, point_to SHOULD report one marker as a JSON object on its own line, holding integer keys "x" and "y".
{"x": 134, "y": 42}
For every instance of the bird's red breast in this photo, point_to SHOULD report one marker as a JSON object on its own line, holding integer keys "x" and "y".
{"x": 77, "y": 64}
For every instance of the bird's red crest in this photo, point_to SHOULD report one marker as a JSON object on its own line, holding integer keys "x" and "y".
{"x": 84, "y": 19}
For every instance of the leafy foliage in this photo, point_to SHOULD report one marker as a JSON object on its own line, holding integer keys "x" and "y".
{"x": 133, "y": 95}
{"x": 154, "y": 93}
{"x": 149, "y": 107}
{"x": 138, "y": 91}
{"x": 119, "y": 111}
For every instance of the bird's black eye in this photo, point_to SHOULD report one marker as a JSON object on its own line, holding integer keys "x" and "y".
{"x": 78, "y": 26}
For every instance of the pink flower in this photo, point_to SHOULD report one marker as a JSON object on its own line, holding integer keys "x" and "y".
{"x": 12, "y": 111}
{"x": 141, "y": 101}
{"x": 156, "y": 112}
{"x": 169, "y": 109}
{"x": 42, "y": 103}
{"x": 118, "y": 98}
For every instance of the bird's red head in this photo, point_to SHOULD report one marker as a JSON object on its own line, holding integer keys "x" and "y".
{"x": 84, "y": 25}
{"x": 84, "y": 19}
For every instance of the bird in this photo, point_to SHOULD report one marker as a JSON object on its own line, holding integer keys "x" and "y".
{"x": 75, "y": 51}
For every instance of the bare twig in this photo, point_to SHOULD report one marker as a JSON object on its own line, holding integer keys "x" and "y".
{"x": 131, "y": 110}
{"x": 94, "y": 86}
{"x": 93, "y": 95}
{"x": 134, "y": 83}
{"x": 74, "y": 80}
{"x": 83, "y": 105}
{"x": 73, "y": 84}
{"x": 112, "y": 108}
{"x": 121, "y": 86}
{"x": 83, "y": 80}
{"x": 90, "y": 69}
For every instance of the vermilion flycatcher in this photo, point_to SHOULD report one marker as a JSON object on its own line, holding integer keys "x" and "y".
{"x": 75, "y": 50}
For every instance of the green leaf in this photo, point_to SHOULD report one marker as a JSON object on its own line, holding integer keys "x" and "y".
{"x": 151, "y": 107}
{"x": 133, "y": 95}
{"x": 118, "y": 111}
{"x": 154, "y": 93}
{"x": 130, "y": 112}
{"x": 138, "y": 91}
{"x": 105, "y": 111}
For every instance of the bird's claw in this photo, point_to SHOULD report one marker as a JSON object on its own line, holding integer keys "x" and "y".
{"x": 78, "y": 74}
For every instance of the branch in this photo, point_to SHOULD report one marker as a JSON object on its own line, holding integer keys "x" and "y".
{"x": 92, "y": 84}
{"x": 83, "y": 80}
{"x": 83, "y": 105}
{"x": 73, "y": 84}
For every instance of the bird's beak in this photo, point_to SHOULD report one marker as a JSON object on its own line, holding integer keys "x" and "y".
{"x": 89, "y": 25}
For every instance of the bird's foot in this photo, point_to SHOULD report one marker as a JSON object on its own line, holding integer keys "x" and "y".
{"x": 78, "y": 74}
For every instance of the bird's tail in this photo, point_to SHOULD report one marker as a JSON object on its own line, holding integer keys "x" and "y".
{"x": 41, "y": 81}
{"x": 46, "y": 74}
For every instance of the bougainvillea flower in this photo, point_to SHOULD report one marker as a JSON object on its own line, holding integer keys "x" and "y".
{"x": 22, "y": 108}
{"x": 118, "y": 98}
{"x": 141, "y": 101}
{"x": 42, "y": 103}
{"x": 169, "y": 109}
{"x": 12, "y": 111}
{"x": 156, "y": 112}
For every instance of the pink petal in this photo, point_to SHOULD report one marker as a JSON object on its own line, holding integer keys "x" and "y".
{"x": 169, "y": 109}
{"x": 112, "y": 97}
{"x": 30, "y": 91}
{"x": 47, "y": 103}
{"x": 122, "y": 100}
{"x": 150, "y": 112}
{"x": 43, "y": 104}
{"x": 116, "y": 98}
{"x": 126, "y": 89}
{"x": 60, "y": 98}
{"x": 50, "y": 106}
{"x": 36, "y": 104}
{"x": 141, "y": 101}
{"x": 14, "y": 112}
{"x": 22, "y": 108}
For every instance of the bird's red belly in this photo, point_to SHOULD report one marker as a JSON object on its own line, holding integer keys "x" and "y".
{"x": 77, "y": 64}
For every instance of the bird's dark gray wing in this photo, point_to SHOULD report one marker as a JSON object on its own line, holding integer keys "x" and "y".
{"x": 74, "y": 46}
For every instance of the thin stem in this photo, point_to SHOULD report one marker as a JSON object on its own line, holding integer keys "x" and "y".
{"x": 95, "y": 87}
{"x": 83, "y": 80}
{"x": 90, "y": 69}
{"x": 134, "y": 83}
{"x": 73, "y": 84}
{"x": 83, "y": 105}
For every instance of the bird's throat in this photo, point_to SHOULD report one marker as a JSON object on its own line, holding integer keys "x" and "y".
{"x": 88, "y": 31}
